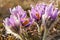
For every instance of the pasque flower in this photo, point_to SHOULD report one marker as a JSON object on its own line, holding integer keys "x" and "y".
{"x": 51, "y": 11}
{"x": 37, "y": 11}
{"x": 18, "y": 11}
{"x": 17, "y": 18}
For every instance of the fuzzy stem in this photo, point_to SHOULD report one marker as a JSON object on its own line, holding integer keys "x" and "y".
{"x": 44, "y": 17}
{"x": 45, "y": 32}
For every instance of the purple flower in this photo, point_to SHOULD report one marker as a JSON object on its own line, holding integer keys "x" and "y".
{"x": 13, "y": 22}
{"x": 18, "y": 11}
{"x": 37, "y": 11}
{"x": 51, "y": 12}
{"x": 18, "y": 18}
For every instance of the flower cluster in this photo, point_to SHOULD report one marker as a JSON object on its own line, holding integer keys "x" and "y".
{"x": 19, "y": 18}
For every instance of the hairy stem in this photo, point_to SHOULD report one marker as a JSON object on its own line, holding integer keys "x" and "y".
{"x": 45, "y": 33}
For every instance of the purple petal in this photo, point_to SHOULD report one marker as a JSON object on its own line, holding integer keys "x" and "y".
{"x": 13, "y": 11}
{"x": 55, "y": 13}
{"x": 6, "y": 22}
{"x": 12, "y": 21}
{"x": 18, "y": 11}
{"x": 49, "y": 9}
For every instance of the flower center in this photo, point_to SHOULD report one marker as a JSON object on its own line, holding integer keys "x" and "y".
{"x": 25, "y": 22}
{"x": 38, "y": 16}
